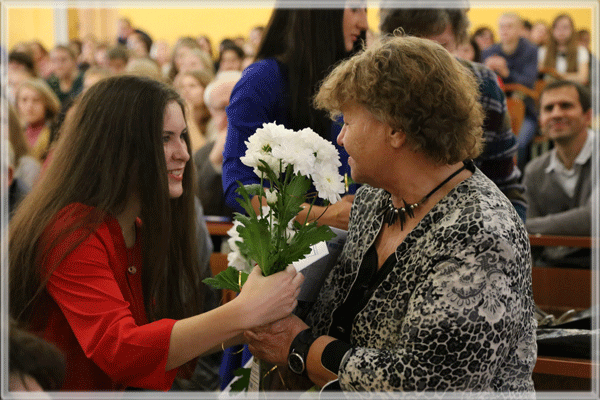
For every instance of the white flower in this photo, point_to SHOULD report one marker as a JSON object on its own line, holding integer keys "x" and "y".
{"x": 290, "y": 231}
{"x": 271, "y": 196}
{"x": 295, "y": 150}
{"x": 324, "y": 151}
{"x": 237, "y": 261}
{"x": 260, "y": 147}
{"x": 234, "y": 257}
{"x": 329, "y": 184}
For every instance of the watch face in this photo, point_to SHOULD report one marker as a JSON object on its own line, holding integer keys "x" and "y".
{"x": 296, "y": 363}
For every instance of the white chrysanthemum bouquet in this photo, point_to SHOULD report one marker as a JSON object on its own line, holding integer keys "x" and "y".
{"x": 287, "y": 162}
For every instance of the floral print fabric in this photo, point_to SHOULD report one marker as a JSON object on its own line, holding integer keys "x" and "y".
{"x": 456, "y": 311}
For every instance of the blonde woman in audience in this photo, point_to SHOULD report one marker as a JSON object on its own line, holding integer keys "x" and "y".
{"x": 180, "y": 50}
{"x": 37, "y": 105}
{"x": 26, "y": 167}
{"x": 191, "y": 86}
{"x": 563, "y": 53}
{"x": 196, "y": 59}
{"x": 87, "y": 58}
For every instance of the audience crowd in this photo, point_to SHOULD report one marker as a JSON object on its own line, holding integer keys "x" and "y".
{"x": 545, "y": 64}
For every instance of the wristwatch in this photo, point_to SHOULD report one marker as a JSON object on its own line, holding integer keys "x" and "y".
{"x": 299, "y": 351}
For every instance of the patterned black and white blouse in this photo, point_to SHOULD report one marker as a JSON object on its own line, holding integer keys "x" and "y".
{"x": 456, "y": 311}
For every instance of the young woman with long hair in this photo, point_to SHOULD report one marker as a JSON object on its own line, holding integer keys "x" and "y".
{"x": 191, "y": 86}
{"x": 298, "y": 49}
{"x": 103, "y": 250}
{"x": 563, "y": 53}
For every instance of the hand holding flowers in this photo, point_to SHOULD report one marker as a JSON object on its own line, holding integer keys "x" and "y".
{"x": 268, "y": 299}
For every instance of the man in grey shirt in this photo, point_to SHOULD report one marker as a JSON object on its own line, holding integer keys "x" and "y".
{"x": 559, "y": 183}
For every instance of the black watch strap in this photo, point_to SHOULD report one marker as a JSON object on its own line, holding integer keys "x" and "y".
{"x": 299, "y": 351}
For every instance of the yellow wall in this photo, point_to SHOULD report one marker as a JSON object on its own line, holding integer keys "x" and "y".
{"x": 27, "y": 24}
{"x": 216, "y": 23}
{"x": 168, "y": 24}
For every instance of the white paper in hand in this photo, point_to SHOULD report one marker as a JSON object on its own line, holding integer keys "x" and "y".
{"x": 317, "y": 265}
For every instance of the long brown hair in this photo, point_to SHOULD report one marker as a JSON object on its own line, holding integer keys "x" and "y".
{"x": 111, "y": 148}
{"x": 552, "y": 49}
{"x": 309, "y": 42}
{"x": 16, "y": 135}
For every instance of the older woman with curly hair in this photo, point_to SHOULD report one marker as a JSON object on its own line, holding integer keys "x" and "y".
{"x": 432, "y": 290}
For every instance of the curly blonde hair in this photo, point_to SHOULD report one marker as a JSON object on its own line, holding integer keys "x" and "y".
{"x": 417, "y": 87}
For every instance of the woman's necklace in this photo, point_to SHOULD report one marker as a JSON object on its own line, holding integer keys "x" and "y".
{"x": 392, "y": 214}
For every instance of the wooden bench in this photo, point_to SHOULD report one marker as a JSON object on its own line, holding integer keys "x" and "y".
{"x": 557, "y": 290}
{"x": 218, "y": 228}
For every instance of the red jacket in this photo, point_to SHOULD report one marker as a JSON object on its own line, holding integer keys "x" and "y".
{"x": 95, "y": 310}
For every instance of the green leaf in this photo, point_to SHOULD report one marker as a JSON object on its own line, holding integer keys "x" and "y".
{"x": 245, "y": 200}
{"x": 307, "y": 236}
{"x": 271, "y": 176}
{"x": 228, "y": 279}
{"x": 293, "y": 196}
{"x": 256, "y": 243}
{"x": 255, "y": 189}
{"x": 243, "y": 382}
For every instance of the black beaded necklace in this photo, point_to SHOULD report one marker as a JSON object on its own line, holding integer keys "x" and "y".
{"x": 392, "y": 214}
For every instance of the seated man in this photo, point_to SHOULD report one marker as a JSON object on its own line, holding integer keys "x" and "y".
{"x": 559, "y": 183}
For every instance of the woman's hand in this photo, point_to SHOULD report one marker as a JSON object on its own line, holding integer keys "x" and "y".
{"x": 272, "y": 342}
{"x": 336, "y": 215}
{"x": 267, "y": 299}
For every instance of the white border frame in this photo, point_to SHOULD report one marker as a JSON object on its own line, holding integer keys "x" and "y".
{"x": 60, "y": 7}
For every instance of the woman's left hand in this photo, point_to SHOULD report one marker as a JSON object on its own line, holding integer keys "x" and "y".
{"x": 272, "y": 342}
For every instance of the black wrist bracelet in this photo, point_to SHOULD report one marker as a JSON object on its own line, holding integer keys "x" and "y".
{"x": 299, "y": 351}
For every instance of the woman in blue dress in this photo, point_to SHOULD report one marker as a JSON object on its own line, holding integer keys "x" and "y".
{"x": 299, "y": 48}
